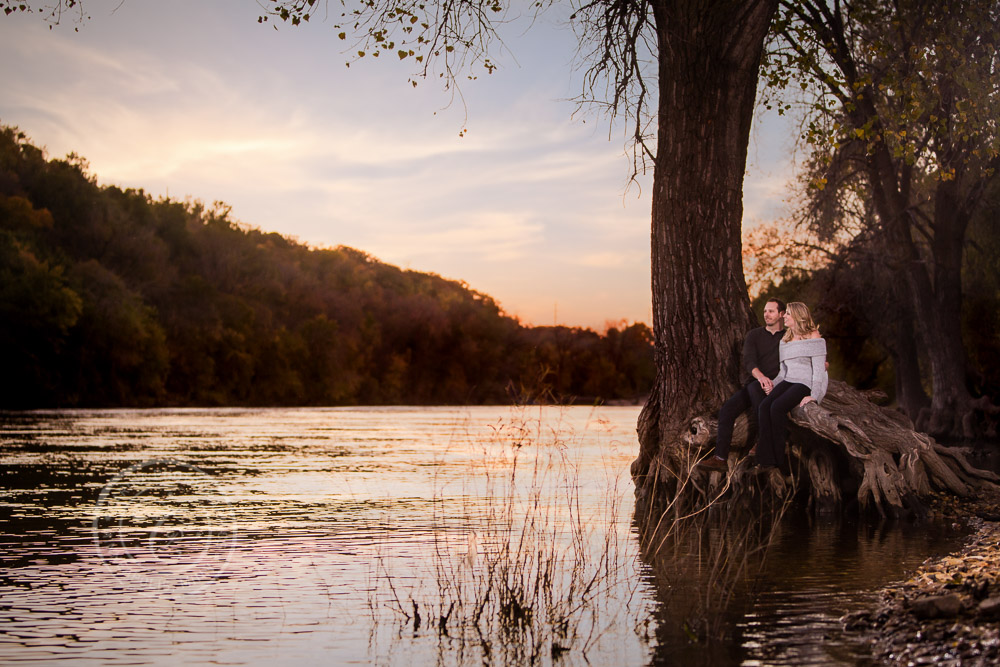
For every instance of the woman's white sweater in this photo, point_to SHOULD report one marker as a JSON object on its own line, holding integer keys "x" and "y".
{"x": 804, "y": 362}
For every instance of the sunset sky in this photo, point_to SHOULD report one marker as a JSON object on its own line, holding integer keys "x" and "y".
{"x": 195, "y": 99}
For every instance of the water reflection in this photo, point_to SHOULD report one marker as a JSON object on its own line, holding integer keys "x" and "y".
{"x": 267, "y": 536}
{"x": 735, "y": 590}
{"x": 244, "y": 537}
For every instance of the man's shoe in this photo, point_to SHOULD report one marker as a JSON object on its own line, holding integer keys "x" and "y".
{"x": 714, "y": 463}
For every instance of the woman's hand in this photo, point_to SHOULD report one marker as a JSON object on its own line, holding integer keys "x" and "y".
{"x": 805, "y": 400}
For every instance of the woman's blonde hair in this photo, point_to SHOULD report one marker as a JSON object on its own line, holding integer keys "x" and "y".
{"x": 802, "y": 321}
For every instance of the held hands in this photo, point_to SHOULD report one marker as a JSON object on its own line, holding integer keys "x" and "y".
{"x": 766, "y": 384}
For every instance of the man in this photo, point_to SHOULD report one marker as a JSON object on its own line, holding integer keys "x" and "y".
{"x": 760, "y": 366}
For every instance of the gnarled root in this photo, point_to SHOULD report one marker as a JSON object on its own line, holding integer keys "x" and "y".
{"x": 849, "y": 446}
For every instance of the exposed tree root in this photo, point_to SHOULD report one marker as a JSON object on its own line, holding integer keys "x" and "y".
{"x": 846, "y": 451}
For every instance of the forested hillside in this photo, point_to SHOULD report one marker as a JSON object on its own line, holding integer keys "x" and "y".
{"x": 111, "y": 298}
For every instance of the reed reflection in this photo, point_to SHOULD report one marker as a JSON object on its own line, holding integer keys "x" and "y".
{"x": 748, "y": 583}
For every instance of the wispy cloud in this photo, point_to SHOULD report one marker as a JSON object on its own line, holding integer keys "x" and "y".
{"x": 491, "y": 236}
{"x": 767, "y": 197}
{"x": 528, "y": 206}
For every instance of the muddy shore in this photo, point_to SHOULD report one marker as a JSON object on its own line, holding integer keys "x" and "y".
{"x": 947, "y": 612}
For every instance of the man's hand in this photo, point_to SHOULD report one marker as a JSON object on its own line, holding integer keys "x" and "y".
{"x": 805, "y": 400}
{"x": 766, "y": 384}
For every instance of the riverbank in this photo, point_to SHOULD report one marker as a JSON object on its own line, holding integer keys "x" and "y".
{"x": 948, "y": 611}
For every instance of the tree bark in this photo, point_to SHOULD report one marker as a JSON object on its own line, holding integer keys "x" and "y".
{"x": 894, "y": 330}
{"x": 709, "y": 55}
{"x": 910, "y": 394}
{"x": 951, "y": 401}
{"x": 935, "y": 293}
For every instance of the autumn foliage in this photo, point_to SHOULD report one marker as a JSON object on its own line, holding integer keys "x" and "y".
{"x": 111, "y": 298}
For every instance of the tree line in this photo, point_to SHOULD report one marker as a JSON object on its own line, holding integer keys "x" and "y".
{"x": 111, "y": 298}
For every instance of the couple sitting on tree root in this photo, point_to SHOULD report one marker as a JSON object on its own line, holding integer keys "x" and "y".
{"x": 784, "y": 364}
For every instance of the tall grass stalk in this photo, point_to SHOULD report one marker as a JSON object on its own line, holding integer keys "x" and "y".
{"x": 526, "y": 572}
{"x": 708, "y": 543}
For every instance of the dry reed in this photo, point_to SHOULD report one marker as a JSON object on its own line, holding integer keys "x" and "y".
{"x": 526, "y": 573}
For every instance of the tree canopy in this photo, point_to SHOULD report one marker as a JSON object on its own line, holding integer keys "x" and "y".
{"x": 900, "y": 102}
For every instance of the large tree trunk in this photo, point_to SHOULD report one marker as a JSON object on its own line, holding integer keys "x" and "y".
{"x": 910, "y": 395}
{"x": 950, "y": 400}
{"x": 709, "y": 55}
{"x": 894, "y": 330}
{"x": 934, "y": 287}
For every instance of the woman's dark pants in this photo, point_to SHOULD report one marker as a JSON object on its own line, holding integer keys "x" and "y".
{"x": 772, "y": 421}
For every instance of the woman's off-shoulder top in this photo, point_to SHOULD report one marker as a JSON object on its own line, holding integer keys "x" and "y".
{"x": 804, "y": 362}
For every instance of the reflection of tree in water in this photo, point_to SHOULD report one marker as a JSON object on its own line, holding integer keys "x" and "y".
{"x": 742, "y": 580}
{"x": 703, "y": 567}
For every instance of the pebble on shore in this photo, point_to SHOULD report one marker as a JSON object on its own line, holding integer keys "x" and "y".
{"x": 948, "y": 611}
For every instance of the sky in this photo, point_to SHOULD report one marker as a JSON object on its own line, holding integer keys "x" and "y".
{"x": 508, "y": 188}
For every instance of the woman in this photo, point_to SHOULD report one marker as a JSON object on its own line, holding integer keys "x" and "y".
{"x": 801, "y": 378}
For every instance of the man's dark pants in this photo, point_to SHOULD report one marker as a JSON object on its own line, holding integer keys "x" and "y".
{"x": 749, "y": 396}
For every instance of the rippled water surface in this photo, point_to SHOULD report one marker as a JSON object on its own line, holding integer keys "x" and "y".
{"x": 301, "y": 536}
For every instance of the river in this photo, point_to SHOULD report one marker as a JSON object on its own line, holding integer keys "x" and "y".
{"x": 396, "y": 535}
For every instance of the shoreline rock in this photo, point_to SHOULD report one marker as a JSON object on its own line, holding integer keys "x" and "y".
{"x": 948, "y": 611}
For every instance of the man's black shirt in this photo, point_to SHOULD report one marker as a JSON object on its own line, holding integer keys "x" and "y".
{"x": 760, "y": 350}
